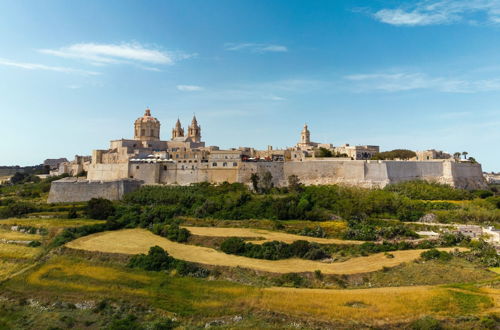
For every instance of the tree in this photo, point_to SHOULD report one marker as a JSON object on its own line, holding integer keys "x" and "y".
{"x": 472, "y": 160}
{"x": 395, "y": 154}
{"x": 323, "y": 152}
{"x": 294, "y": 183}
{"x": 254, "y": 178}
{"x": 99, "y": 208}
{"x": 465, "y": 153}
{"x": 267, "y": 182}
{"x": 456, "y": 155}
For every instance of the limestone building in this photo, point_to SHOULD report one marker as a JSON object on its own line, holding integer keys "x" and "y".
{"x": 184, "y": 159}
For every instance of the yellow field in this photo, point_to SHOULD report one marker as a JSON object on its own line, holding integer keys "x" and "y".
{"x": 365, "y": 305}
{"x": 495, "y": 269}
{"x": 49, "y": 223}
{"x": 267, "y": 235}
{"x": 9, "y": 267}
{"x": 372, "y": 306}
{"x": 17, "y": 236}
{"x": 134, "y": 241}
{"x": 14, "y": 251}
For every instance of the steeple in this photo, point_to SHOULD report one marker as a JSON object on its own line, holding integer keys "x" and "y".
{"x": 305, "y": 135}
{"x": 178, "y": 131}
{"x": 194, "y": 130}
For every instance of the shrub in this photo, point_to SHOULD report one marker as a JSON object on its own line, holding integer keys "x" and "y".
{"x": 17, "y": 209}
{"x": 233, "y": 245}
{"x": 99, "y": 208}
{"x": 434, "y": 254}
{"x": 291, "y": 280}
{"x": 72, "y": 214}
{"x": 34, "y": 244}
{"x": 157, "y": 259}
{"x": 313, "y": 232}
{"x": 274, "y": 250}
{"x": 426, "y": 323}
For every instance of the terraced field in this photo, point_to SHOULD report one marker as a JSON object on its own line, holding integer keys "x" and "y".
{"x": 48, "y": 222}
{"x": 9, "y": 235}
{"x": 265, "y": 235}
{"x": 134, "y": 241}
{"x": 378, "y": 306}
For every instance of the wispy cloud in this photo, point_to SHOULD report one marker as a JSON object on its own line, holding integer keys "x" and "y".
{"x": 189, "y": 88}
{"x": 256, "y": 47}
{"x": 395, "y": 82}
{"x": 432, "y": 12}
{"x": 36, "y": 66}
{"x": 101, "y": 54}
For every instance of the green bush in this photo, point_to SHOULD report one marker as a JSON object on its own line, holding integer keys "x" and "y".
{"x": 158, "y": 259}
{"x": 434, "y": 254}
{"x": 99, "y": 208}
{"x": 426, "y": 323}
{"x": 273, "y": 250}
{"x": 428, "y": 191}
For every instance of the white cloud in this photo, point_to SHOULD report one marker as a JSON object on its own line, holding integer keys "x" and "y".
{"x": 189, "y": 88}
{"x": 35, "y": 66}
{"x": 431, "y": 12}
{"x": 255, "y": 47}
{"x": 101, "y": 54}
{"x": 395, "y": 82}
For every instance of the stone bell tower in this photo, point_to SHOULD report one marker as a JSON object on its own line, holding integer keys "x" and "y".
{"x": 147, "y": 128}
{"x": 305, "y": 136}
{"x": 177, "y": 131}
{"x": 194, "y": 131}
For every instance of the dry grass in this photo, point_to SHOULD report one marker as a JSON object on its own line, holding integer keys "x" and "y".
{"x": 365, "y": 305}
{"x": 9, "y": 267}
{"x": 134, "y": 241}
{"x": 80, "y": 276}
{"x": 14, "y": 251}
{"x": 17, "y": 236}
{"x": 49, "y": 223}
{"x": 267, "y": 235}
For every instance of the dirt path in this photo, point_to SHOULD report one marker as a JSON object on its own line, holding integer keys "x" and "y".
{"x": 134, "y": 241}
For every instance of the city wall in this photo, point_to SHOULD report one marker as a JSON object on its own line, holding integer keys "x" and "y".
{"x": 112, "y": 181}
{"x": 78, "y": 190}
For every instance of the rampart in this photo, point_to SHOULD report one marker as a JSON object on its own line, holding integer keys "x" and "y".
{"x": 77, "y": 190}
{"x": 367, "y": 174}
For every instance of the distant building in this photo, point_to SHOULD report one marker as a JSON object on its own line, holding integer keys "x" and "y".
{"x": 471, "y": 231}
{"x": 54, "y": 163}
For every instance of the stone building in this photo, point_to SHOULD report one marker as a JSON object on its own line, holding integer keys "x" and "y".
{"x": 184, "y": 159}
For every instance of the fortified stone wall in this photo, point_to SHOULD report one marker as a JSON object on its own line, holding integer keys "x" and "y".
{"x": 107, "y": 172}
{"x": 74, "y": 190}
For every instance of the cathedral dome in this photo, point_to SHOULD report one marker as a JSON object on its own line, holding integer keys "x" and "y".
{"x": 147, "y": 127}
{"x": 147, "y": 118}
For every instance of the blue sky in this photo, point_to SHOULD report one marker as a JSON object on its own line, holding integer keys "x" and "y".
{"x": 412, "y": 74}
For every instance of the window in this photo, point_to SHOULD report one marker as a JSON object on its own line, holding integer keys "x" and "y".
{"x": 177, "y": 156}
{"x": 214, "y": 164}
{"x": 235, "y": 164}
{"x": 137, "y": 167}
{"x": 164, "y": 167}
{"x": 143, "y": 132}
{"x": 224, "y": 164}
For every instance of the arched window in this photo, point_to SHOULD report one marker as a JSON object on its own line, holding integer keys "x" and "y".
{"x": 143, "y": 132}
{"x": 214, "y": 164}
{"x": 224, "y": 164}
{"x": 235, "y": 164}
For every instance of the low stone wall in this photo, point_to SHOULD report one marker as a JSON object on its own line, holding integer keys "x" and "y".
{"x": 77, "y": 190}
